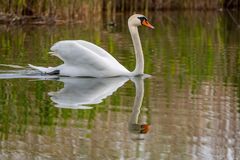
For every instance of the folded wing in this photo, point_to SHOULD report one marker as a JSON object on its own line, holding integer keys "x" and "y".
{"x": 86, "y": 59}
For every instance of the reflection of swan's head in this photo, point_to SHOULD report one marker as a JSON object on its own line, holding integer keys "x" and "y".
{"x": 138, "y": 20}
{"x": 139, "y": 128}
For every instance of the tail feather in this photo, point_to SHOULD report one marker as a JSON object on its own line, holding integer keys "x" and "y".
{"x": 42, "y": 69}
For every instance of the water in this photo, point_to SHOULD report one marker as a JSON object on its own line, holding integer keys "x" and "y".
{"x": 188, "y": 109}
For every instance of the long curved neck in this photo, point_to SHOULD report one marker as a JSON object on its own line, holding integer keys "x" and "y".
{"x": 139, "y": 69}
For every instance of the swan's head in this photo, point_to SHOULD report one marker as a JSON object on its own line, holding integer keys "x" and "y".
{"x": 139, "y": 20}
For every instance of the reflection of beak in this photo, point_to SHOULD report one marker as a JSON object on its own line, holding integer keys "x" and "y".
{"x": 145, "y": 128}
{"x": 147, "y": 24}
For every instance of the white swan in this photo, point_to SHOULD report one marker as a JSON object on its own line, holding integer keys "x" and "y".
{"x": 84, "y": 59}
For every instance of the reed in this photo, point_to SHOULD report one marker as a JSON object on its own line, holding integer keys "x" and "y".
{"x": 48, "y": 10}
{"x": 152, "y": 5}
{"x": 80, "y": 9}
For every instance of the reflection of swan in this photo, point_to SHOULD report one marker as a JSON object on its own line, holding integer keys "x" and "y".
{"x": 133, "y": 125}
{"x": 82, "y": 58}
{"x": 78, "y": 92}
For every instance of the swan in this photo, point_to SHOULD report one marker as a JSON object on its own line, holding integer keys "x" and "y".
{"x": 85, "y": 59}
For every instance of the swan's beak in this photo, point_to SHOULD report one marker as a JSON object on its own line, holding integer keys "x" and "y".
{"x": 147, "y": 24}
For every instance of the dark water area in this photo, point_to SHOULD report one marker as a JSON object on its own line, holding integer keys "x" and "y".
{"x": 187, "y": 109}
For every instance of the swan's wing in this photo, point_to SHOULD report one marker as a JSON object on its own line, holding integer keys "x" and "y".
{"x": 71, "y": 52}
{"x": 84, "y": 58}
{"x": 96, "y": 49}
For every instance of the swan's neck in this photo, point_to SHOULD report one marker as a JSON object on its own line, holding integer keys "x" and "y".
{"x": 139, "y": 69}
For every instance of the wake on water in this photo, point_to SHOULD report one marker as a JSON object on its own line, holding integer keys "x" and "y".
{"x": 17, "y": 71}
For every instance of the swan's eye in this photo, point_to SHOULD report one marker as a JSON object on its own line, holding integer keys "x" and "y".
{"x": 142, "y": 19}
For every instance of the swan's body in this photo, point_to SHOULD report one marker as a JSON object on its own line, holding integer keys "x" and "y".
{"x": 84, "y": 59}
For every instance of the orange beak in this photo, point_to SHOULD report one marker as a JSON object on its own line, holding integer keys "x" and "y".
{"x": 147, "y": 24}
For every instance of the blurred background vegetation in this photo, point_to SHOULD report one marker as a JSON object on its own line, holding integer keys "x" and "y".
{"x": 52, "y": 11}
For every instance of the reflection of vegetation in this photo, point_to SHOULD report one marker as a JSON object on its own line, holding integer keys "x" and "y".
{"x": 196, "y": 48}
{"x": 26, "y": 105}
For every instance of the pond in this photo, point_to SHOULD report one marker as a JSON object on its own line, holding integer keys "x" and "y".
{"x": 187, "y": 109}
